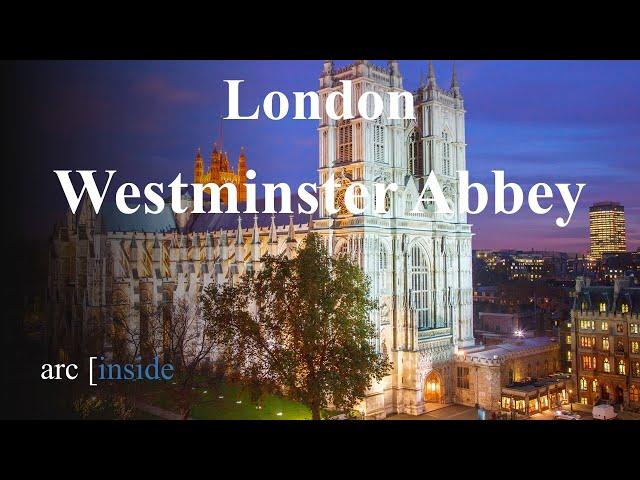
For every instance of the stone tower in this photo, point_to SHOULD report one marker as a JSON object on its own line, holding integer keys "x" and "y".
{"x": 419, "y": 263}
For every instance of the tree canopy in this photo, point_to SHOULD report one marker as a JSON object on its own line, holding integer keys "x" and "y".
{"x": 299, "y": 326}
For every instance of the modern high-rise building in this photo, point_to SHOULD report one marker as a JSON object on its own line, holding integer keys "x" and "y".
{"x": 607, "y": 229}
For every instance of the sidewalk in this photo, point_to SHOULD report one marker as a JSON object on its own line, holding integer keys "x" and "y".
{"x": 158, "y": 412}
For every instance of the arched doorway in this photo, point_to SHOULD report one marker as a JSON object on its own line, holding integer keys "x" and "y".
{"x": 433, "y": 388}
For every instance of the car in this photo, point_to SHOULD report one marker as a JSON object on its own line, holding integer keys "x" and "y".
{"x": 565, "y": 415}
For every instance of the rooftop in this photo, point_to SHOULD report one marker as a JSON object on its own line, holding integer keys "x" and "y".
{"x": 495, "y": 353}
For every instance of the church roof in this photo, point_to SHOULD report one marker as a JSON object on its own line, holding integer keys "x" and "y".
{"x": 115, "y": 221}
{"x": 590, "y": 297}
{"x": 208, "y": 222}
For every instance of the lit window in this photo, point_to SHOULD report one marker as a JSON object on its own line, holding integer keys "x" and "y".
{"x": 605, "y": 343}
{"x": 587, "y": 342}
{"x": 594, "y": 385}
{"x": 587, "y": 324}
{"x": 568, "y": 339}
{"x": 588, "y": 362}
{"x": 603, "y": 307}
{"x": 584, "y": 400}
{"x": 636, "y": 369}
{"x": 625, "y": 308}
{"x": 583, "y": 383}
{"x": 622, "y": 368}
{"x": 568, "y": 355}
{"x": 604, "y": 326}
{"x": 419, "y": 291}
{"x": 634, "y": 328}
{"x": 606, "y": 366}
{"x": 345, "y": 141}
{"x": 635, "y": 347}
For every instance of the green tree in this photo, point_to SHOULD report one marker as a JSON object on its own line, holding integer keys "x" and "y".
{"x": 300, "y": 327}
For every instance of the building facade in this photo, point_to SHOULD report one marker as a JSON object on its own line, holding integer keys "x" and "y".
{"x": 419, "y": 264}
{"x": 220, "y": 172}
{"x": 606, "y": 343}
{"x": 518, "y": 375}
{"x": 607, "y": 229}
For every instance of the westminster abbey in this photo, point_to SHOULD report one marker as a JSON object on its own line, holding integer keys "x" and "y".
{"x": 419, "y": 263}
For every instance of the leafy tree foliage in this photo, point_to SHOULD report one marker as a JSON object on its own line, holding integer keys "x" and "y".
{"x": 298, "y": 326}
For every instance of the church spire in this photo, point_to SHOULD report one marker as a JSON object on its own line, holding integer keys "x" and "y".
{"x": 327, "y": 68}
{"x": 239, "y": 237}
{"x": 273, "y": 237}
{"x": 394, "y": 69}
{"x": 198, "y": 168}
{"x": 455, "y": 88}
{"x": 223, "y": 244}
{"x": 273, "y": 233}
{"x": 255, "y": 234}
{"x": 431, "y": 77}
{"x": 239, "y": 243}
{"x": 255, "y": 241}
{"x": 291, "y": 237}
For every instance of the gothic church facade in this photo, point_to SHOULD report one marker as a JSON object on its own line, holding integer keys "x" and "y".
{"x": 108, "y": 265}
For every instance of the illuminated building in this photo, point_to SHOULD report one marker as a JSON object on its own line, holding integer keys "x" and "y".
{"x": 115, "y": 266}
{"x": 519, "y": 375}
{"x": 526, "y": 267}
{"x": 607, "y": 229}
{"x": 221, "y": 172}
{"x": 605, "y": 339}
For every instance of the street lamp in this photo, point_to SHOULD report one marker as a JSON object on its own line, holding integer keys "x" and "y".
{"x": 571, "y": 399}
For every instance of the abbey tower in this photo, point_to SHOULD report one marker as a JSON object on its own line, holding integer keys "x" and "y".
{"x": 419, "y": 263}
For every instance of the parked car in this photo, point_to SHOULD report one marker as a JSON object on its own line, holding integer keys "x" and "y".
{"x": 565, "y": 415}
{"x": 604, "y": 412}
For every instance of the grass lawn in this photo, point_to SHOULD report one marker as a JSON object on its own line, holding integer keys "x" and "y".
{"x": 221, "y": 403}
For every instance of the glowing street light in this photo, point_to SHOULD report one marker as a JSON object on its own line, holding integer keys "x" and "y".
{"x": 518, "y": 333}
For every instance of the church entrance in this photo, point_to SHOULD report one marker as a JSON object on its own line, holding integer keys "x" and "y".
{"x": 433, "y": 388}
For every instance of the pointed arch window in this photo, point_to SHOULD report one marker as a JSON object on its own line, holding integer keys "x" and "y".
{"x": 345, "y": 141}
{"x": 383, "y": 268}
{"x": 414, "y": 152}
{"x": 606, "y": 366}
{"x": 583, "y": 383}
{"x": 447, "y": 168}
{"x": 378, "y": 139}
{"x": 594, "y": 385}
{"x": 418, "y": 287}
{"x": 622, "y": 367}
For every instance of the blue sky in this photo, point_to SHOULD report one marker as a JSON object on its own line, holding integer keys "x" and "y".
{"x": 540, "y": 121}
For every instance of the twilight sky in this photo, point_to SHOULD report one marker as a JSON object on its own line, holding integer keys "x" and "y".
{"x": 540, "y": 121}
